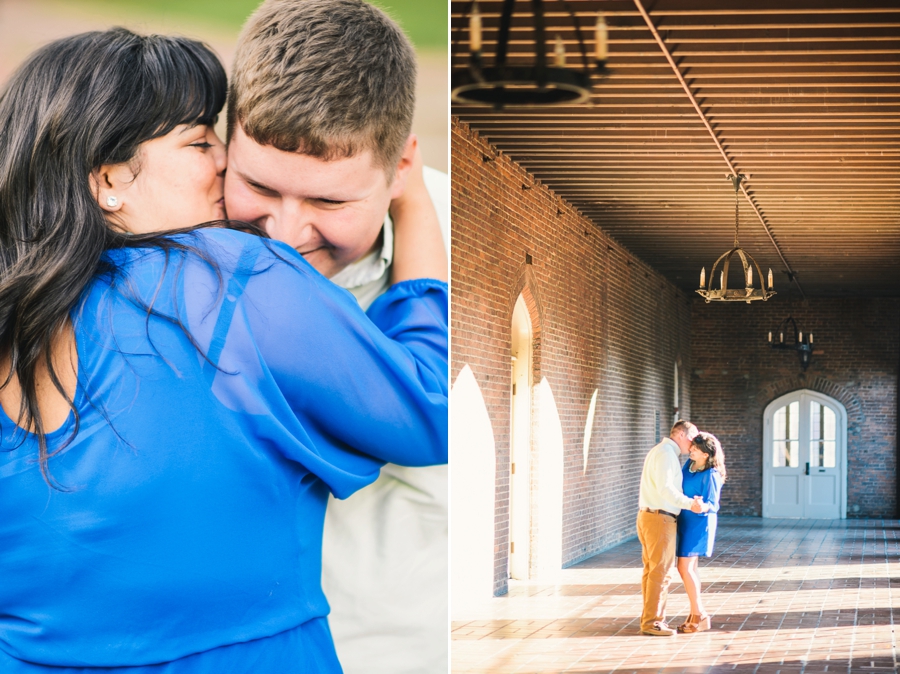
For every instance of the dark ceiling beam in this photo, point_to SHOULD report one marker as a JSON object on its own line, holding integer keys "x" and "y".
{"x": 818, "y": 130}
{"x": 732, "y": 168}
{"x": 664, "y": 8}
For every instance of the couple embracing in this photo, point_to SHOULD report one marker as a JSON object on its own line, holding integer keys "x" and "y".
{"x": 185, "y": 380}
{"x": 677, "y": 518}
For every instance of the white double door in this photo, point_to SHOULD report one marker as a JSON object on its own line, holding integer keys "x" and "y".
{"x": 805, "y": 457}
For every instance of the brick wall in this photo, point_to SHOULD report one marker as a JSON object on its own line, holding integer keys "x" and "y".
{"x": 605, "y": 320}
{"x": 736, "y": 374}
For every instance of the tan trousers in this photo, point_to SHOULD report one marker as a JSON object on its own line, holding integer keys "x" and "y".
{"x": 656, "y": 533}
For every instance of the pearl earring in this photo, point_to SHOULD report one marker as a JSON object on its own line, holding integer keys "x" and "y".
{"x": 112, "y": 202}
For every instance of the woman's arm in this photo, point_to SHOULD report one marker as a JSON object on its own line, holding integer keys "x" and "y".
{"x": 343, "y": 392}
{"x": 419, "y": 250}
{"x": 713, "y": 488}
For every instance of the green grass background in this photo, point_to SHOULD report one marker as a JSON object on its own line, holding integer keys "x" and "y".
{"x": 425, "y": 21}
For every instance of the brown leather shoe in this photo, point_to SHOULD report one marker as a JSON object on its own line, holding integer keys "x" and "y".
{"x": 659, "y": 629}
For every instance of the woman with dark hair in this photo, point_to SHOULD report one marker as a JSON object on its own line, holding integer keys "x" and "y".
{"x": 703, "y": 476}
{"x": 177, "y": 401}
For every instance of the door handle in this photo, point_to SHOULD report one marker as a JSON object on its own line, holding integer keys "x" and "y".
{"x": 807, "y": 467}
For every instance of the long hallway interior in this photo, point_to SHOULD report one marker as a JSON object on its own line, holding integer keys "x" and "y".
{"x": 788, "y": 596}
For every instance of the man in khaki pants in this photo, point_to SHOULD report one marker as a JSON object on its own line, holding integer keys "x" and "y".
{"x": 661, "y": 499}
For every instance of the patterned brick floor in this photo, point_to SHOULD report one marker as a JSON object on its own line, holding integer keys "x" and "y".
{"x": 788, "y": 596}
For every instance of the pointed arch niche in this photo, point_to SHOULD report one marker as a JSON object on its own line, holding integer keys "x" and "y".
{"x": 520, "y": 422}
{"x": 676, "y": 391}
{"x": 535, "y": 458}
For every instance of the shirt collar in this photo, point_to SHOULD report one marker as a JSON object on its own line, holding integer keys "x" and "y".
{"x": 672, "y": 445}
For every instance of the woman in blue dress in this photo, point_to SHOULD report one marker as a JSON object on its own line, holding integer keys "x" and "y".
{"x": 176, "y": 405}
{"x": 702, "y": 477}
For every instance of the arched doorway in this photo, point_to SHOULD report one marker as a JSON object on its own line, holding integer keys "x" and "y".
{"x": 805, "y": 457}
{"x": 520, "y": 436}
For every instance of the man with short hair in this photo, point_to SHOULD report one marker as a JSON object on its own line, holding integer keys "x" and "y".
{"x": 661, "y": 499}
{"x": 320, "y": 110}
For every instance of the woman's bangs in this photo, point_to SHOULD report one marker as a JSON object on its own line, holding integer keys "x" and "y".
{"x": 189, "y": 84}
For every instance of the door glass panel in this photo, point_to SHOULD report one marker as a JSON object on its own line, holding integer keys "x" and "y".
{"x": 786, "y": 436}
{"x": 822, "y": 430}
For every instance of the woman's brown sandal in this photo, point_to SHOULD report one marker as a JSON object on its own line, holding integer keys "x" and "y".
{"x": 695, "y": 624}
{"x": 687, "y": 624}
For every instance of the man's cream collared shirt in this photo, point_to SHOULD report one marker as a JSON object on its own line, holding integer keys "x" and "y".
{"x": 385, "y": 548}
{"x": 661, "y": 479}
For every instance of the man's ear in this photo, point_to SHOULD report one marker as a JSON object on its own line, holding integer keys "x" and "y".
{"x": 109, "y": 184}
{"x": 409, "y": 160}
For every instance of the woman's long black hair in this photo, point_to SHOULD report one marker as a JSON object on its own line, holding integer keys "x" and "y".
{"x": 75, "y": 105}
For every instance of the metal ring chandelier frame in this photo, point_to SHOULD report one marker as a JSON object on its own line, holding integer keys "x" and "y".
{"x": 542, "y": 84}
{"x": 749, "y": 293}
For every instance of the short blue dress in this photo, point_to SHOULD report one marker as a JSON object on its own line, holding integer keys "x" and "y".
{"x": 697, "y": 531}
{"x": 186, "y": 535}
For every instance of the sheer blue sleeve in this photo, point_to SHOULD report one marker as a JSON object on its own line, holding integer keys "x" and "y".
{"x": 420, "y": 325}
{"x": 338, "y": 391}
{"x": 713, "y": 490}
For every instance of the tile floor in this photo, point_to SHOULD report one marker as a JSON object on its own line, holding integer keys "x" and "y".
{"x": 788, "y": 596}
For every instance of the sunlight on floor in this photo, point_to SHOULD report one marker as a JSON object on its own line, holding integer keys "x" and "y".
{"x": 784, "y": 595}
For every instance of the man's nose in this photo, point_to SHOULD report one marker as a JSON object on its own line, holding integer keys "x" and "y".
{"x": 294, "y": 224}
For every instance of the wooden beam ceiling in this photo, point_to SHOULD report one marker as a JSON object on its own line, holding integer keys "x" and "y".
{"x": 801, "y": 95}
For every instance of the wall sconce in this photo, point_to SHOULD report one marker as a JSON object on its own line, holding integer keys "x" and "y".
{"x": 797, "y": 341}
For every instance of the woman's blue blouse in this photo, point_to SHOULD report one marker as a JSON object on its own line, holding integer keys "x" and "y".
{"x": 697, "y": 531}
{"x": 192, "y": 491}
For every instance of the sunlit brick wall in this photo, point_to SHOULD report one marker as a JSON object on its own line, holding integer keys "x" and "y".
{"x": 608, "y": 322}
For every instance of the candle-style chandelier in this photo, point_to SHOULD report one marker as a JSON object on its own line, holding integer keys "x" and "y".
{"x": 796, "y": 341}
{"x": 502, "y": 85}
{"x": 748, "y": 293}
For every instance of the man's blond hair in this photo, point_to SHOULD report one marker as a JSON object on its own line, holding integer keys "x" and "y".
{"x": 326, "y": 78}
{"x": 685, "y": 427}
